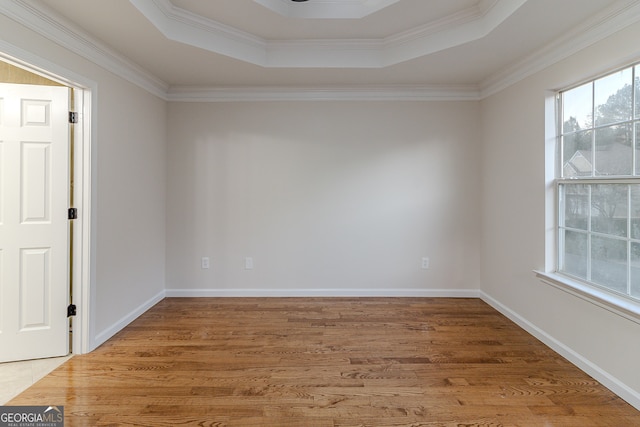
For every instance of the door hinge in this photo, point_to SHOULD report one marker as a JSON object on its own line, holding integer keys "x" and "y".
{"x": 73, "y": 117}
{"x": 73, "y": 213}
{"x": 71, "y": 310}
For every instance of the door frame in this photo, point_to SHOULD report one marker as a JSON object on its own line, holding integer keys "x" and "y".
{"x": 82, "y": 272}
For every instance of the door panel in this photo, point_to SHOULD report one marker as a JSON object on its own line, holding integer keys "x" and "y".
{"x": 35, "y": 289}
{"x": 34, "y": 230}
{"x": 36, "y": 181}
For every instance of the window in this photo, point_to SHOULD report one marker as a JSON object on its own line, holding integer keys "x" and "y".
{"x": 599, "y": 188}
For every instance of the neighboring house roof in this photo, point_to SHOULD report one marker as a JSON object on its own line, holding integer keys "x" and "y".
{"x": 615, "y": 159}
{"x": 578, "y": 165}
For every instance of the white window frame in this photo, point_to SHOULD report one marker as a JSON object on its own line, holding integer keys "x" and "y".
{"x": 622, "y": 305}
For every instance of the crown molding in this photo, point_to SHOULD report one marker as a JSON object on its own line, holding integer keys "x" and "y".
{"x": 389, "y": 93}
{"x": 183, "y": 26}
{"x": 597, "y": 28}
{"x": 462, "y": 27}
{"x": 66, "y": 34}
{"x": 189, "y": 28}
{"x": 61, "y": 31}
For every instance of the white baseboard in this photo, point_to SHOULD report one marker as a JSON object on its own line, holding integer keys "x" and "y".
{"x": 612, "y": 383}
{"x": 103, "y": 336}
{"x": 307, "y": 293}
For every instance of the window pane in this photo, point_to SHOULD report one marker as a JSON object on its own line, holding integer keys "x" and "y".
{"x": 577, "y": 149}
{"x": 575, "y": 201}
{"x": 637, "y": 86}
{"x": 609, "y": 263}
{"x": 574, "y": 254}
{"x": 635, "y": 211}
{"x": 577, "y": 108}
{"x": 609, "y": 209}
{"x": 612, "y": 96}
{"x": 635, "y": 270}
{"x": 637, "y": 148}
{"x": 613, "y": 154}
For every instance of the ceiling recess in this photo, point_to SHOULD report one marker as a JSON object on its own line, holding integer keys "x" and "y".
{"x": 465, "y": 26}
{"x": 326, "y": 9}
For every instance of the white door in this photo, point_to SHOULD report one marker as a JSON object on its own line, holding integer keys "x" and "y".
{"x": 34, "y": 236}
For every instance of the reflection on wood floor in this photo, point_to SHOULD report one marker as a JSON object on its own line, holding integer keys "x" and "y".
{"x": 326, "y": 362}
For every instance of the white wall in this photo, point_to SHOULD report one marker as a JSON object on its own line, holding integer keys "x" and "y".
{"x": 129, "y": 159}
{"x": 131, "y": 191}
{"x": 513, "y": 241}
{"x": 327, "y": 197}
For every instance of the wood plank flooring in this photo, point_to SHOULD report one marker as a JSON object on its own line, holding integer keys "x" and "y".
{"x": 342, "y": 362}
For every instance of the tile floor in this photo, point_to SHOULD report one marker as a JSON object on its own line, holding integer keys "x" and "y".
{"x": 16, "y": 377}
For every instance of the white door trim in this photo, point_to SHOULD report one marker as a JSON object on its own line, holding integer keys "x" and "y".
{"x": 84, "y": 186}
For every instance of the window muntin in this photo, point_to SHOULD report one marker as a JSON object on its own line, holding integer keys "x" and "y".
{"x": 599, "y": 188}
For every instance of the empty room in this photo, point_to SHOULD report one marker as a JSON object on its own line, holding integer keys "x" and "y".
{"x": 321, "y": 212}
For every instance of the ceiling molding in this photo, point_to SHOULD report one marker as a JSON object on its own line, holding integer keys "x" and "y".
{"x": 463, "y": 27}
{"x": 189, "y": 28}
{"x": 588, "y": 33}
{"x": 390, "y": 93}
{"x": 326, "y": 9}
{"x": 183, "y": 26}
{"x": 66, "y": 34}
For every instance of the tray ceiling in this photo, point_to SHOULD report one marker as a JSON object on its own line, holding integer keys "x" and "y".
{"x": 459, "y": 23}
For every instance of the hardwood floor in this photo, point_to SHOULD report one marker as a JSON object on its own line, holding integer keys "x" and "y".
{"x": 326, "y": 362}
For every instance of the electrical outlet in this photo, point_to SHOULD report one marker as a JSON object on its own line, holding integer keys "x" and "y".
{"x": 425, "y": 263}
{"x": 248, "y": 263}
{"x": 204, "y": 263}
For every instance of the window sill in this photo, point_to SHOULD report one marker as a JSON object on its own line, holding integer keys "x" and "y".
{"x": 618, "y": 305}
